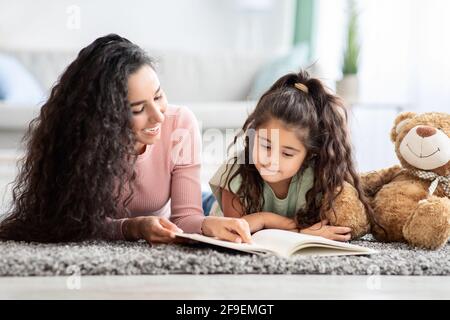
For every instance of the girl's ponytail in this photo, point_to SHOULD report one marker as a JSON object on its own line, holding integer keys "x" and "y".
{"x": 333, "y": 158}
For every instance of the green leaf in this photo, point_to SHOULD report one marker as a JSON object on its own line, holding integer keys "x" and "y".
{"x": 352, "y": 46}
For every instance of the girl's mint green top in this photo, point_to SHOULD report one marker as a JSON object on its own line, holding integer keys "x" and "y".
{"x": 300, "y": 184}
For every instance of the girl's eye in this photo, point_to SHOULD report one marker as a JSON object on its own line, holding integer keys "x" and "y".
{"x": 138, "y": 111}
{"x": 266, "y": 146}
{"x": 158, "y": 97}
{"x": 288, "y": 155}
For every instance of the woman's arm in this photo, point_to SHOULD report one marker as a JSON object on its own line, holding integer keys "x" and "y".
{"x": 232, "y": 207}
{"x": 150, "y": 228}
{"x": 185, "y": 161}
{"x": 323, "y": 229}
{"x": 186, "y": 202}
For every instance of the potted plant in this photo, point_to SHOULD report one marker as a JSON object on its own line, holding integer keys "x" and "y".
{"x": 347, "y": 88}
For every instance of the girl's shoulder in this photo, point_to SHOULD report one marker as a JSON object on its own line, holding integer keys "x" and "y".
{"x": 225, "y": 173}
{"x": 305, "y": 177}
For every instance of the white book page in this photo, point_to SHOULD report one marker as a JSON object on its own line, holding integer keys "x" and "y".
{"x": 284, "y": 243}
{"x": 287, "y": 242}
{"x": 227, "y": 244}
{"x": 280, "y": 241}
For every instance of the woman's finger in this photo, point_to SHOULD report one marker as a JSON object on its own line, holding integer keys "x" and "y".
{"x": 229, "y": 236}
{"x": 157, "y": 230}
{"x": 169, "y": 225}
{"x": 242, "y": 228}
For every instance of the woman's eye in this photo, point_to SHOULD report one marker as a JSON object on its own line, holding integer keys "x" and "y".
{"x": 158, "y": 97}
{"x": 288, "y": 155}
{"x": 266, "y": 146}
{"x": 138, "y": 111}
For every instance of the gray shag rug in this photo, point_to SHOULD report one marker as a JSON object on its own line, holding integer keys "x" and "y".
{"x": 135, "y": 258}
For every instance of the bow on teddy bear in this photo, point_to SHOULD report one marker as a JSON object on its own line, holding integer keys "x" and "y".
{"x": 411, "y": 202}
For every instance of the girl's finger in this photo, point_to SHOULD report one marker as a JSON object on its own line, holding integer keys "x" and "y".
{"x": 343, "y": 238}
{"x": 319, "y": 225}
{"x": 288, "y": 224}
{"x": 340, "y": 230}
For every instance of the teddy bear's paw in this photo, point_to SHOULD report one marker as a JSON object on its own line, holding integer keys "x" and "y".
{"x": 349, "y": 212}
{"x": 429, "y": 225}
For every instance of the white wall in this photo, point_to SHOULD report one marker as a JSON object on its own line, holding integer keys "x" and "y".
{"x": 405, "y": 49}
{"x": 195, "y": 25}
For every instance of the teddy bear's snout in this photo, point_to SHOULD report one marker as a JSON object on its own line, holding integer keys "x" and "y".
{"x": 425, "y": 131}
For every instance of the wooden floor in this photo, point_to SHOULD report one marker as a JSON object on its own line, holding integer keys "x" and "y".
{"x": 224, "y": 287}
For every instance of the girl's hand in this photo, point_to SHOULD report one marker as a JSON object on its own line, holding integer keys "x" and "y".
{"x": 330, "y": 232}
{"x": 231, "y": 229}
{"x": 152, "y": 229}
{"x": 269, "y": 220}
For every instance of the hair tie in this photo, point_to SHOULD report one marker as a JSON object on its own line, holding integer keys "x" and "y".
{"x": 301, "y": 87}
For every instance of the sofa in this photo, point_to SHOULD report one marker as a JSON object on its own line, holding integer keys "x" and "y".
{"x": 220, "y": 88}
{"x": 193, "y": 79}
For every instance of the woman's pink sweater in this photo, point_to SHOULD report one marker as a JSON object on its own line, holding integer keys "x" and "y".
{"x": 168, "y": 177}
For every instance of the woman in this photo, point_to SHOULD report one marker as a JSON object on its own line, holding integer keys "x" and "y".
{"x": 109, "y": 158}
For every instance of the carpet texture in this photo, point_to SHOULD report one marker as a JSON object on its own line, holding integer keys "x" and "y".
{"x": 133, "y": 258}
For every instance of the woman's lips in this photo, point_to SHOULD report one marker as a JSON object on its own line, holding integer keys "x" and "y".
{"x": 152, "y": 131}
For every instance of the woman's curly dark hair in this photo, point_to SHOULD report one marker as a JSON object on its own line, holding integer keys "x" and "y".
{"x": 78, "y": 166}
{"x": 326, "y": 139}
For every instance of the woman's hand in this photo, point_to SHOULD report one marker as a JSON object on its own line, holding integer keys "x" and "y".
{"x": 330, "y": 232}
{"x": 231, "y": 229}
{"x": 268, "y": 220}
{"x": 152, "y": 229}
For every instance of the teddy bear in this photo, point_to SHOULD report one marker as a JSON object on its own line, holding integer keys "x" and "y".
{"x": 411, "y": 202}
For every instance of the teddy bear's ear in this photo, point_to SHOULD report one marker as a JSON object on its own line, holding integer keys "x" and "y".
{"x": 401, "y": 120}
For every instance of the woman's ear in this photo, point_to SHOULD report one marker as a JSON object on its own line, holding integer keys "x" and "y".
{"x": 402, "y": 119}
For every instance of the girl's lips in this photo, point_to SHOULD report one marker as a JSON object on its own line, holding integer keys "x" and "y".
{"x": 268, "y": 171}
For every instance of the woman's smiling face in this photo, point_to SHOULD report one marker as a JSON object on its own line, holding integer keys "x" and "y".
{"x": 148, "y": 104}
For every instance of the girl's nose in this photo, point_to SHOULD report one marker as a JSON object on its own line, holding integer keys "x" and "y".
{"x": 274, "y": 162}
{"x": 270, "y": 161}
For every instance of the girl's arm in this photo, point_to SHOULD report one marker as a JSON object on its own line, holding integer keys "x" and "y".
{"x": 323, "y": 229}
{"x": 232, "y": 207}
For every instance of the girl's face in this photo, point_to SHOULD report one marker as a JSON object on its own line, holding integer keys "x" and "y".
{"x": 148, "y": 104}
{"x": 278, "y": 153}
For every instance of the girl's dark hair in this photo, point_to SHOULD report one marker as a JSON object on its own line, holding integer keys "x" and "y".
{"x": 326, "y": 139}
{"x": 79, "y": 150}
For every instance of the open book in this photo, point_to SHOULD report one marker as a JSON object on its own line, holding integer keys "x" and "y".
{"x": 285, "y": 244}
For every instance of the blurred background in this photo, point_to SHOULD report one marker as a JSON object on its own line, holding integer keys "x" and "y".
{"x": 218, "y": 56}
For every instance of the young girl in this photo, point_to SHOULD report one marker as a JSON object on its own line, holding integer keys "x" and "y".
{"x": 296, "y": 170}
{"x": 109, "y": 158}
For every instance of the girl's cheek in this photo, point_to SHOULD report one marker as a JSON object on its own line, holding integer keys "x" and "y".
{"x": 255, "y": 155}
